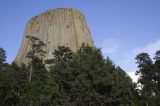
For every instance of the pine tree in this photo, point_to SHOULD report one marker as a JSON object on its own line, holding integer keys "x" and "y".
{"x": 62, "y": 53}
{"x": 35, "y": 53}
{"x": 89, "y": 80}
{"x": 156, "y": 78}
{"x": 2, "y": 59}
{"x": 38, "y": 74}
{"x": 146, "y": 73}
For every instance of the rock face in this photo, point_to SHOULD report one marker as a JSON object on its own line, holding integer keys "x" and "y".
{"x": 57, "y": 27}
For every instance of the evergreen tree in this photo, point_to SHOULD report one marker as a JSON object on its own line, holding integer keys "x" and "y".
{"x": 157, "y": 73}
{"x": 146, "y": 74}
{"x": 157, "y": 78}
{"x": 38, "y": 74}
{"x": 84, "y": 78}
{"x": 62, "y": 53}
{"x": 89, "y": 80}
{"x": 19, "y": 83}
{"x": 12, "y": 85}
{"x": 35, "y": 53}
{"x": 123, "y": 92}
{"x": 39, "y": 89}
{"x": 2, "y": 59}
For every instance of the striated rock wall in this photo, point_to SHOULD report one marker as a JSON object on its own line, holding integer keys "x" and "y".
{"x": 57, "y": 27}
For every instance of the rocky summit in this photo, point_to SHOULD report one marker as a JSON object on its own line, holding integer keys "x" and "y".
{"x": 56, "y": 27}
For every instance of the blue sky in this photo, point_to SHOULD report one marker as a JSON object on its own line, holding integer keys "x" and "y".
{"x": 122, "y": 28}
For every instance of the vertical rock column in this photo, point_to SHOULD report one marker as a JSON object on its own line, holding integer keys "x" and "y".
{"x": 57, "y": 27}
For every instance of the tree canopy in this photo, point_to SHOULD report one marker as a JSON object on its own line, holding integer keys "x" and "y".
{"x": 90, "y": 80}
{"x": 84, "y": 78}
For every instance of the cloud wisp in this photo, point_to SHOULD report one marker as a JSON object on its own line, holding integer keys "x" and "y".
{"x": 126, "y": 59}
{"x": 110, "y": 46}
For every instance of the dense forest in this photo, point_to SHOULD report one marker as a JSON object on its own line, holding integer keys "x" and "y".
{"x": 84, "y": 78}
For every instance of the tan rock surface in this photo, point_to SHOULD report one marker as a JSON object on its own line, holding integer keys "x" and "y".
{"x": 57, "y": 27}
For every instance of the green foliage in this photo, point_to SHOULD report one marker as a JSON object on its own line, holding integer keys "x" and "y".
{"x": 2, "y": 55}
{"x": 149, "y": 78}
{"x": 35, "y": 55}
{"x": 13, "y": 85}
{"x": 39, "y": 86}
{"x": 145, "y": 71}
{"x": 3, "y": 64}
{"x": 89, "y": 80}
{"x": 156, "y": 78}
{"x": 38, "y": 74}
{"x": 62, "y": 53}
{"x": 84, "y": 78}
{"x": 36, "y": 48}
{"x": 157, "y": 72}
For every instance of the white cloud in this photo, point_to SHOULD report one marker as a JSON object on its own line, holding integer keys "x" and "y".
{"x": 110, "y": 46}
{"x": 150, "y": 48}
{"x": 133, "y": 76}
{"x": 126, "y": 59}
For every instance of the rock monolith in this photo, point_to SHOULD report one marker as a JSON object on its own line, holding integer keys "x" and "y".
{"x": 56, "y": 27}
